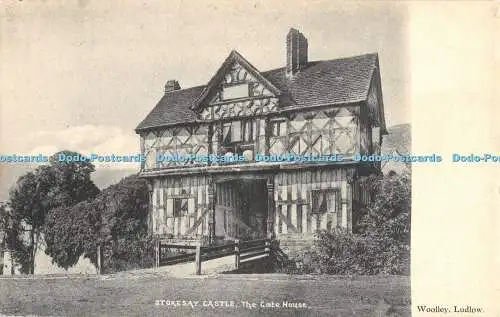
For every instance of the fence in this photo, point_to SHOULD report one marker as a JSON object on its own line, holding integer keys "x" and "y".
{"x": 242, "y": 250}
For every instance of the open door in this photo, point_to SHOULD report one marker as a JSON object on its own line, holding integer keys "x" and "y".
{"x": 241, "y": 209}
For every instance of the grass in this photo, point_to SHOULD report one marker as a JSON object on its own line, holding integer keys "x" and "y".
{"x": 325, "y": 295}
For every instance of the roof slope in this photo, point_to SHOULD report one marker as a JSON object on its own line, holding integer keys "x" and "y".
{"x": 336, "y": 81}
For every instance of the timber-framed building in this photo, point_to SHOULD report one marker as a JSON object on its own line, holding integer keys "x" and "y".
{"x": 329, "y": 107}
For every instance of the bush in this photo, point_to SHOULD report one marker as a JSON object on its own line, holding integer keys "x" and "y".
{"x": 342, "y": 253}
{"x": 128, "y": 253}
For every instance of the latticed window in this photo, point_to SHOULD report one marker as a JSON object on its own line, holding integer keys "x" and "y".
{"x": 237, "y": 131}
{"x": 324, "y": 201}
{"x": 278, "y": 128}
{"x": 231, "y": 132}
{"x": 238, "y": 137}
{"x": 247, "y": 130}
{"x": 180, "y": 207}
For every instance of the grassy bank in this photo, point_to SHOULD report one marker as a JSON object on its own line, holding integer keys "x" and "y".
{"x": 324, "y": 295}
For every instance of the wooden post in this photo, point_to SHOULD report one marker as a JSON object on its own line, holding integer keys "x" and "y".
{"x": 211, "y": 220}
{"x": 198, "y": 259}
{"x": 267, "y": 134}
{"x": 270, "y": 209}
{"x": 99, "y": 267}
{"x": 210, "y": 142}
{"x": 157, "y": 253}
{"x": 237, "y": 254}
{"x": 350, "y": 181}
{"x": 150, "y": 207}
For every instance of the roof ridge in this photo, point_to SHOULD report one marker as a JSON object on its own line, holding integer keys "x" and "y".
{"x": 334, "y": 81}
{"x": 283, "y": 67}
{"x": 183, "y": 89}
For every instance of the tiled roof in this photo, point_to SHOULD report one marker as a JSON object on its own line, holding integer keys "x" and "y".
{"x": 336, "y": 81}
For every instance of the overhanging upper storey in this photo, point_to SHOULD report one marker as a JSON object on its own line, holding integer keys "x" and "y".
{"x": 328, "y": 107}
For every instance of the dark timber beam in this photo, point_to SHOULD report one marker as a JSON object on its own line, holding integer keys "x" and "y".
{"x": 211, "y": 201}
{"x": 270, "y": 208}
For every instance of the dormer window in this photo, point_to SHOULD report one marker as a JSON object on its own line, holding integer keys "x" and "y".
{"x": 235, "y": 91}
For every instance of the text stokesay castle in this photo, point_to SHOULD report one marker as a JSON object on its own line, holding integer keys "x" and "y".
{"x": 321, "y": 107}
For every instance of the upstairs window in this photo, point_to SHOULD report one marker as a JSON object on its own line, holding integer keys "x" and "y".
{"x": 238, "y": 137}
{"x": 231, "y": 132}
{"x": 278, "y": 128}
{"x": 235, "y": 91}
{"x": 237, "y": 131}
{"x": 247, "y": 130}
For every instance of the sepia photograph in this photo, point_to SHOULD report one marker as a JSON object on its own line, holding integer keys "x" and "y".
{"x": 218, "y": 158}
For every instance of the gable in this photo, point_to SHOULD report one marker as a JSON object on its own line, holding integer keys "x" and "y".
{"x": 238, "y": 89}
{"x": 238, "y": 83}
{"x": 374, "y": 103}
{"x": 235, "y": 71}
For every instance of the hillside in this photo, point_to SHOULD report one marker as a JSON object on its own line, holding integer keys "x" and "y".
{"x": 397, "y": 141}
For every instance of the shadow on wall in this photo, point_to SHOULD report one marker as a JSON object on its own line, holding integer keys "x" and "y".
{"x": 44, "y": 265}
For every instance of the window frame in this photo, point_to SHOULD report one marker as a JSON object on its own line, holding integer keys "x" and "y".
{"x": 338, "y": 205}
{"x": 238, "y": 84}
{"x": 278, "y": 123}
{"x": 237, "y": 147}
{"x": 247, "y": 125}
{"x": 180, "y": 213}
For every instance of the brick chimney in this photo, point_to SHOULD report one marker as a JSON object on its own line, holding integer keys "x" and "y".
{"x": 296, "y": 51}
{"x": 172, "y": 85}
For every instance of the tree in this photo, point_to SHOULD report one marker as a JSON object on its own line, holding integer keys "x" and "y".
{"x": 389, "y": 214}
{"x": 116, "y": 220}
{"x": 67, "y": 233}
{"x": 25, "y": 200}
{"x": 386, "y": 227}
{"x": 57, "y": 185}
{"x": 14, "y": 239}
{"x": 123, "y": 233}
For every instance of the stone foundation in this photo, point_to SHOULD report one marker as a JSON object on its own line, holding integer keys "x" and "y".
{"x": 293, "y": 244}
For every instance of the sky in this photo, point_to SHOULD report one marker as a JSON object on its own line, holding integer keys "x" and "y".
{"x": 81, "y": 75}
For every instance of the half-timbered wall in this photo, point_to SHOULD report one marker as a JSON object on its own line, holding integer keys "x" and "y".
{"x": 175, "y": 141}
{"x": 365, "y": 145}
{"x": 294, "y": 201}
{"x": 180, "y": 206}
{"x": 332, "y": 131}
{"x": 373, "y": 104}
{"x": 238, "y": 109}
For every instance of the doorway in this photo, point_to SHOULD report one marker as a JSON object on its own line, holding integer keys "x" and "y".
{"x": 241, "y": 209}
